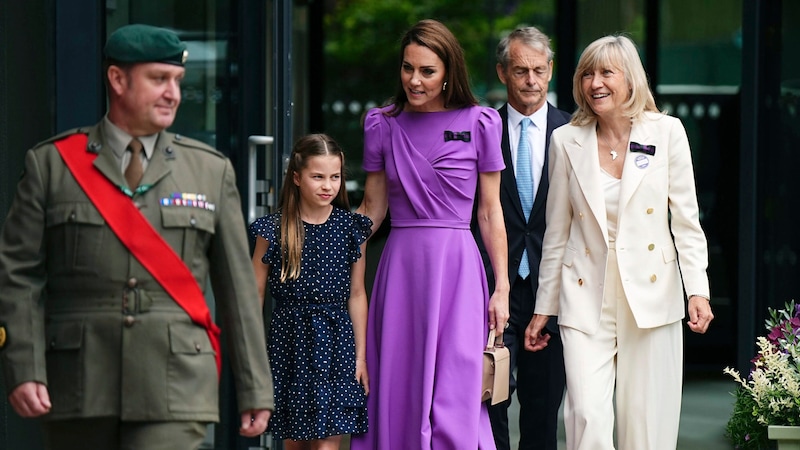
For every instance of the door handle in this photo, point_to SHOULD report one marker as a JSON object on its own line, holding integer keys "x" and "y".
{"x": 259, "y": 189}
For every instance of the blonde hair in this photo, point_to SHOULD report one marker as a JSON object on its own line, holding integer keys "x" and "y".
{"x": 617, "y": 52}
{"x": 292, "y": 233}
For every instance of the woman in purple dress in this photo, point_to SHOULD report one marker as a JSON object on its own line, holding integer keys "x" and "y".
{"x": 426, "y": 155}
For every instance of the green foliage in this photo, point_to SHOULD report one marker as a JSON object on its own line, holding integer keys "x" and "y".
{"x": 770, "y": 395}
{"x": 743, "y": 428}
{"x": 362, "y": 51}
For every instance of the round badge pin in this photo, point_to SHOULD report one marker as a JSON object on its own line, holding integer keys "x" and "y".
{"x": 642, "y": 161}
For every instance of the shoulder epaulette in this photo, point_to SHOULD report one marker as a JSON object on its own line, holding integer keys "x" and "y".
{"x": 183, "y": 141}
{"x": 51, "y": 139}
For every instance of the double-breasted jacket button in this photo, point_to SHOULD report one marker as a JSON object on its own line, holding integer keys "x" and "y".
{"x": 653, "y": 278}
{"x": 651, "y": 247}
{"x": 580, "y": 281}
{"x": 129, "y": 321}
{"x": 132, "y": 282}
{"x": 649, "y": 210}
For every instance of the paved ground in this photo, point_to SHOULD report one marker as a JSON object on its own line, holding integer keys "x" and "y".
{"x": 706, "y": 407}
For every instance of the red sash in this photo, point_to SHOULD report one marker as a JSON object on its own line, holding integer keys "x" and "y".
{"x": 138, "y": 236}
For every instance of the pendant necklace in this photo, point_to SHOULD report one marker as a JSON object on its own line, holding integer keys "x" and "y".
{"x": 613, "y": 152}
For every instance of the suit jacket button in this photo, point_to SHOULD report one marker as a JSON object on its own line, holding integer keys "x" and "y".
{"x": 649, "y": 210}
{"x": 580, "y": 281}
{"x": 651, "y": 247}
{"x": 653, "y": 278}
{"x": 132, "y": 282}
{"x": 129, "y": 321}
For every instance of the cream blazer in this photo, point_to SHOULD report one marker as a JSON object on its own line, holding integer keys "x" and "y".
{"x": 661, "y": 249}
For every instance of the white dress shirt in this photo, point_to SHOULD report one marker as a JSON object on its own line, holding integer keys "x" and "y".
{"x": 536, "y": 136}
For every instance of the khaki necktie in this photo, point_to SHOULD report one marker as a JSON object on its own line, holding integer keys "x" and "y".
{"x": 134, "y": 171}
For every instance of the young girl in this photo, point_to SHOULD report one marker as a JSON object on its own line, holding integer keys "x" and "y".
{"x": 310, "y": 253}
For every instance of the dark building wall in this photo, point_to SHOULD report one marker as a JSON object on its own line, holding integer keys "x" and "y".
{"x": 26, "y": 117}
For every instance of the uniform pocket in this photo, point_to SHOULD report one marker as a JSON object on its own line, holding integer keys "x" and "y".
{"x": 192, "y": 370}
{"x": 75, "y": 237}
{"x": 64, "y": 358}
{"x": 188, "y": 230}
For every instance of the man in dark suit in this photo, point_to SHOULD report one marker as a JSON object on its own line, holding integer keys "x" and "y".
{"x": 525, "y": 67}
{"x": 111, "y": 347}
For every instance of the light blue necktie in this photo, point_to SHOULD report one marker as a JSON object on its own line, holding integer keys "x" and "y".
{"x": 524, "y": 185}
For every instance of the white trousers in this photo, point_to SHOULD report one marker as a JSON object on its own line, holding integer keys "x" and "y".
{"x": 639, "y": 369}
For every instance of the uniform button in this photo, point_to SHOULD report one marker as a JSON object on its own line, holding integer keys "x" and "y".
{"x": 587, "y": 250}
{"x": 72, "y": 217}
{"x": 53, "y": 343}
{"x": 651, "y": 247}
{"x": 649, "y": 210}
{"x": 193, "y": 222}
{"x": 129, "y": 321}
{"x": 138, "y": 205}
{"x": 580, "y": 214}
{"x": 653, "y": 278}
{"x": 168, "y": 150}
{"x": 132, "y": 283}
{"x": 197, "y": 347}
{"x": 580, "y": 281}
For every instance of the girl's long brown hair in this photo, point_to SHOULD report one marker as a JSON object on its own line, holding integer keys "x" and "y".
{"x": 292, "y": 233}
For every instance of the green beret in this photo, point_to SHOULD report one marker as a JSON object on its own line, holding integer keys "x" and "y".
{"x": 145, "y": 43}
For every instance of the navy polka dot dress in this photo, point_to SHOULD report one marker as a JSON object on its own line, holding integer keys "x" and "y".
{"x": 310, "y": 341}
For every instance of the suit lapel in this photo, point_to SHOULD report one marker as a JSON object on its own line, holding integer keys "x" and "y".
{"x": 582, "y": 154}
{"x": 634, "y": 170}
{"x": 508, "y": 180}
{"x": 554, "y": 120}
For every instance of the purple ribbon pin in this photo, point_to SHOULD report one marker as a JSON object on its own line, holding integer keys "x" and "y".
{"x": 646, "y": 149}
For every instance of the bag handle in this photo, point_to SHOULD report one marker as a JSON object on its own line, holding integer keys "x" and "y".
{"x": 490, "y": 343}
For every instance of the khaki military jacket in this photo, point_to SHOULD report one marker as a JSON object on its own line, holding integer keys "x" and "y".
{"x": 84, "y": 317}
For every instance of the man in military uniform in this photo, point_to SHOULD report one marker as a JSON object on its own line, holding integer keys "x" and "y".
{"x": 110, "y": 240}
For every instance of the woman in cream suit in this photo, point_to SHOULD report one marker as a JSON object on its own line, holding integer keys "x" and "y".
{"x": 622, "y": 250}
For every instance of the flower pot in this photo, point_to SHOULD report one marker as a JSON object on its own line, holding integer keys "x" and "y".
{"x": 788, "y": 438}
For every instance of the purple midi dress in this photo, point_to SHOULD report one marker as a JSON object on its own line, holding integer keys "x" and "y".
{"x": 428, "y": 310}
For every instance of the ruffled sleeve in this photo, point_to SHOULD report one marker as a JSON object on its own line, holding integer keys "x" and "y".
{"x": 267, "y": 227}
{"x": 376, "y": 140}
{"x": 360, "y": 230}
{"x": 489, "y": 136}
